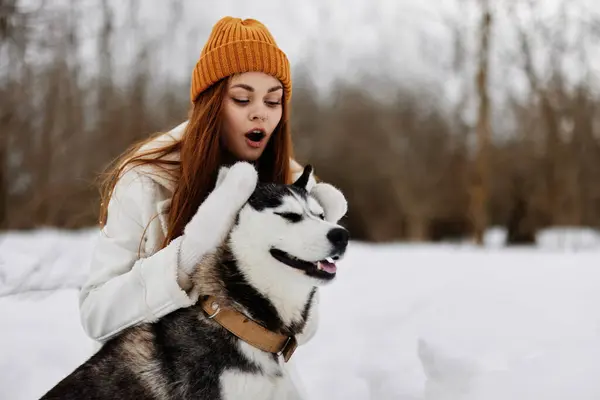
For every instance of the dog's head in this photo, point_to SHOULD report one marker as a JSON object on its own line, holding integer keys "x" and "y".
{"x": 281, "y": 232}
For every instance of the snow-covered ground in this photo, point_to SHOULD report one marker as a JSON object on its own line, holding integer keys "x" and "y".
{"x": 434, "y": 322}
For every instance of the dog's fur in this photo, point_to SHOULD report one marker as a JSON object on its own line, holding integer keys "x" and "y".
{"x": 185, "y": 355}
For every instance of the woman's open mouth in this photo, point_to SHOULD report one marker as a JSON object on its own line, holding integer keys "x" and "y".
{"x": 323, "y": 269}
{"x": 255, "y": 137}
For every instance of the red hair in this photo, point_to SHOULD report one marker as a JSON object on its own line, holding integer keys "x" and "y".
{"x": 201, "y": 156}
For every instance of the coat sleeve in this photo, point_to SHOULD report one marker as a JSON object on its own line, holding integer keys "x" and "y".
{"x": 123, "y": 289}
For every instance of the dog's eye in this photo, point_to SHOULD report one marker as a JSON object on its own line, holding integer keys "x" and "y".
{"x": 322, "y": 216}
{"x": 290, "y": 216}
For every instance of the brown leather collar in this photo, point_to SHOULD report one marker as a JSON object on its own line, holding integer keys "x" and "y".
{"x": 250, "y": 331}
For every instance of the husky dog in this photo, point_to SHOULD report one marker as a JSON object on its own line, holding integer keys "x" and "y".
{"x": 278, "y": 252}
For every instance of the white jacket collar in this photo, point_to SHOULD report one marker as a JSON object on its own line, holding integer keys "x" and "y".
{"x": 161, "y": 175}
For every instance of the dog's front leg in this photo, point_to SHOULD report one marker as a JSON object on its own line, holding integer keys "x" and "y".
{"x": 290, "y": 386}
{"x": 236, "y": 385}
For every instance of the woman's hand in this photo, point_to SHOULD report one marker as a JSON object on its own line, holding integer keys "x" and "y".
{"x": 331, "y": 199}
{"x": 209, "y": 227}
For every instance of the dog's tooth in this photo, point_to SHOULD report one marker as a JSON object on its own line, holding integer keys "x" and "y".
{"x": 329, "y": 259}
{"x": 319, "y": 266}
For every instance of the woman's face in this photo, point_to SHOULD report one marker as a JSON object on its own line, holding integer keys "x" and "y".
{"x": 252, "y": 109}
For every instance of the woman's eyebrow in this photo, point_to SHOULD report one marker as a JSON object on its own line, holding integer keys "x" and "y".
{"x": 243, "y": 86}
{"x": 251, "y": 89}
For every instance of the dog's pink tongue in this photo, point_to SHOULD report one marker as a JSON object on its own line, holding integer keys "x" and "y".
{"x": 328, "y": 267}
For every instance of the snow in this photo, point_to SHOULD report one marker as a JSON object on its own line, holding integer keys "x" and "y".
{"x": 402, "y": 321}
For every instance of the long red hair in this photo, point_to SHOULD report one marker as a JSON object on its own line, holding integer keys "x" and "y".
{"x": 201, "y": 156}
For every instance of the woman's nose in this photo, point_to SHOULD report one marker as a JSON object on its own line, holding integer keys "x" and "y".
{"x": 258, "y": 113}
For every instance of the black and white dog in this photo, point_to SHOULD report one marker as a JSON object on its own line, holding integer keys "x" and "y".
{"x": 279, "y": 251}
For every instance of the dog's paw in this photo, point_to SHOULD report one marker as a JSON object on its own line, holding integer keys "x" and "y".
{"x": 331, "y": 199}
{"x": 241, "y": 177}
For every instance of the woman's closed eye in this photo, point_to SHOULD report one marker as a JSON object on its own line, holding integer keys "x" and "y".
{"x": 272, "y": 103}
{"x": 269, "y": 103}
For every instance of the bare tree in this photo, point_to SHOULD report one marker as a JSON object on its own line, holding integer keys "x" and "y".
{"x": 398, "y": 151}
{"x": 480, "y": 183}
{"x": 14, "y": 27}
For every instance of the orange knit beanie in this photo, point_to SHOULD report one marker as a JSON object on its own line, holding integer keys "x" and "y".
{"x": 236, "y": 46}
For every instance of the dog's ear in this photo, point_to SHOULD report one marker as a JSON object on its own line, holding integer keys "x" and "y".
{"x": 302, "y": 181}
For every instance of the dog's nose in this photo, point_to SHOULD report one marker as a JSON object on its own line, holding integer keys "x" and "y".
{"x": 339, "y": 238}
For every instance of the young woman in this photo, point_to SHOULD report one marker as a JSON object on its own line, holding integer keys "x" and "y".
{"x": 151, "y": 242}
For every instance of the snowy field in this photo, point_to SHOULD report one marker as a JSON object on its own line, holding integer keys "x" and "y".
{"x": 408, "y": 322}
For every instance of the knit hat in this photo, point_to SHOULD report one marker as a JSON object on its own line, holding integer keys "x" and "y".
{"x": 236, "y": 46}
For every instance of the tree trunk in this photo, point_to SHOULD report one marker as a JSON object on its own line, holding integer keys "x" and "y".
{"x": 480, "y": 184}
{"x": 3, "y": 183}
{"x": 417, "y": 228}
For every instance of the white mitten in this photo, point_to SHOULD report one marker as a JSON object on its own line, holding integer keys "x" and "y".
{"x": 211, "y": 224}
{"x": 331, "y": 199}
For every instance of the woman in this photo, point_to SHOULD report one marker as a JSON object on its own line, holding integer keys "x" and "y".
{"x": 151, "y": 241}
